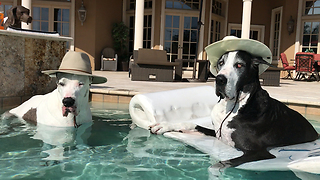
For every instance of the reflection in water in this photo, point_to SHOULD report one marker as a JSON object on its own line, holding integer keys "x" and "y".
{"x": 56, "y": 140}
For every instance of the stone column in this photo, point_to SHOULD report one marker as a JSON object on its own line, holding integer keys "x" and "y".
{"x": 246, "y": 17}
{"x": 138, "y": 28}
{"x": 26, "y": 4}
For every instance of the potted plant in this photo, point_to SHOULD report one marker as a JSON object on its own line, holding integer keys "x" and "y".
{"x": 120, "y": 34}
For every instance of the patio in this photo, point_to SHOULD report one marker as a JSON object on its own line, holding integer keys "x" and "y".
{"x": 303, "y": 96}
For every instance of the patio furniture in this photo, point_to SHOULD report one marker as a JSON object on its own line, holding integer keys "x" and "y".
{"x": 109, "y": 60}
{"x": 305, "y": 65}
{"x": 151, "y": 64}
{"x": 271, "y": 77}
{"x": 286, "y": 65}
{"x": 202, "y": 69}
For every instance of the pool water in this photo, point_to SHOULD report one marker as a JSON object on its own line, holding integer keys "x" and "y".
{"x": 110, "y": 148}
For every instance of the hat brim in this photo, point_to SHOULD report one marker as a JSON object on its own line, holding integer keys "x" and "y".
{"x": 95, "y": 79}
{"x": 255, "y": 48}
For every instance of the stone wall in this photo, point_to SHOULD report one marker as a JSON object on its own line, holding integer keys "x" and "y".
{"x": 22, "y": 58}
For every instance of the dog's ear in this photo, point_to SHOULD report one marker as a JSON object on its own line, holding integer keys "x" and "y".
{"x": 259, "y": 60}
{"x": 11, "y": 16}
{"x": 14, "y": 12}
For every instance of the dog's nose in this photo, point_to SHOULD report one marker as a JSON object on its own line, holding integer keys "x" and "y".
{"x": 221, "y": 80}
{"x": 68, "y": 102}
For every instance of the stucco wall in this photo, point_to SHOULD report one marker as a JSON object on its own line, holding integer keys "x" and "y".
{"x": 95, "y": 34}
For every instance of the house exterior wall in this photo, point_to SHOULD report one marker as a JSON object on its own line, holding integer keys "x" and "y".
{"x": 96, "y": 32}
{"x": 290, "y": 8}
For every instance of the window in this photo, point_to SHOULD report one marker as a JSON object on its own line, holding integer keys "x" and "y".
{"x": 217, "y": 7}
{"x": 132, "y": 4}
{"x": 275, "y": 33}
{"x": 5, "y": 8}
{"x": 40, "y": 19}
{"x": 310, "y": 20}
{"x": 215, "y": 31}
{"x": 61, "y": 21}
{"x": 58, "y": 21}
{"x": 147, "y": 28}
{"x": 310, "y": 36}
{"x": 183, "y": 4}
{"x": 256, "y": 31}
{"x": 217, "y": 22}
{"x": 312, "y": 7}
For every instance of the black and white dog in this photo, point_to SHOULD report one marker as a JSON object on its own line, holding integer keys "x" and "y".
{"x": 246, "y": 117}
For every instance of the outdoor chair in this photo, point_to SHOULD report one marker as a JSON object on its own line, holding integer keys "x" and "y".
{"x": 305, "y": 65}
{"x": 286, "y": 65}
{"x": 151, "y": 64}
{"x": 109, "y": 60}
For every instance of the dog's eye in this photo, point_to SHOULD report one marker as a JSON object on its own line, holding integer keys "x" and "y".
{"x": 61, "y": 84}
{"x": 221, "y": 63}
{"x": 239, "y": 65}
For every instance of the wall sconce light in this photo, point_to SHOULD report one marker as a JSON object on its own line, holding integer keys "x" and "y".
{"x": 290, "y": 25}
{"x": 82, "y": 13}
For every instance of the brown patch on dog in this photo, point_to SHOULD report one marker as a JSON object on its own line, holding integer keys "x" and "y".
{"x": 31, "y": 116}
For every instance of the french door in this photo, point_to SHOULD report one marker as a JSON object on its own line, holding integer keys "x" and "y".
{"x": 180, "y": 37}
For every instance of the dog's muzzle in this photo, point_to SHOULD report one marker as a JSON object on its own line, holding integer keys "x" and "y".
{"x": 221, "y": 82}
{"x": 68, "y": 106}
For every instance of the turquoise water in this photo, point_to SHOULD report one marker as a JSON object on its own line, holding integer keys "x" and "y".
{"x": 107, "y": 149}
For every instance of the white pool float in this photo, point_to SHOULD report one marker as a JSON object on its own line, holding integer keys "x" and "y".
{"x": 195, "y": 104}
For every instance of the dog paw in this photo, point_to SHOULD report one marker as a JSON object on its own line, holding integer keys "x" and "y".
{"x": 163, "y": 127}
{"x": 221, "y": 165}
{"x": 160, "y": 128}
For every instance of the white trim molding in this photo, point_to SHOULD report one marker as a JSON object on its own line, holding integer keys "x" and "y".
{"x": 273, "y": 16}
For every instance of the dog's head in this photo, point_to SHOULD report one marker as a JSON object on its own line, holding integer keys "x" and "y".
{"x": 74, "y": 92}
{"x": 16, "y": 15}
{"x": 238, "y": 72}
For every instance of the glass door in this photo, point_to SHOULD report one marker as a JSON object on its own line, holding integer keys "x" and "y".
{"x": 180, "y": 36}
{"x": 172, "y": 37}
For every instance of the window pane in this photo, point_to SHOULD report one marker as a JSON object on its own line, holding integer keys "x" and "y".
{"x": 36, "y": 25}
{"x": 65, "y": 29}
{"x": 193, "y": 48}
{"x": 315, "y": 27}
{"x": 57, "y": 27}
{"x": 36, "y": 14}
{"x": 169, "y": 4}
{"x": 185, "y": 48}
{"x": 175, "y": 47}
{"x": 65, "y": 15}
{"x": 168, "y": 21}
{"x": 44, "y": 26}
{"x": 57, "y": 14}
{"x": 176, "y": 20}
{"x": 187, "y": 22}
{"x": 175, "y": 35}
{"x": 307, "y": 27}
{"x": 167, "y": 46}
{"x": 314, "y": 40}
{"x": 306, "y": 40}
{"x": 167, "y": 34}
{"x": 6, "y": 7}
{"x": 45, "y": 14}
{"x": 194, "y": 22}
{"x": 194, "y": 35}
{"x": 186, "y": 35}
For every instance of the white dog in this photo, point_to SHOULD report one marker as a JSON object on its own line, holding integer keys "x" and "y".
{"x": 68, "y": 104}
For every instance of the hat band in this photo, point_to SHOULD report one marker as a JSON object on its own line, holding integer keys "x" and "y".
{"x": 75, "y": 70}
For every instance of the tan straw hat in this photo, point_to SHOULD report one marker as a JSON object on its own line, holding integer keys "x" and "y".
{"x": 76, "y": 63}
{"x": 232, "y": 43}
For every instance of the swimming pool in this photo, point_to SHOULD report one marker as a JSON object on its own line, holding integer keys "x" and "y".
{"x": 107, "y": 149}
